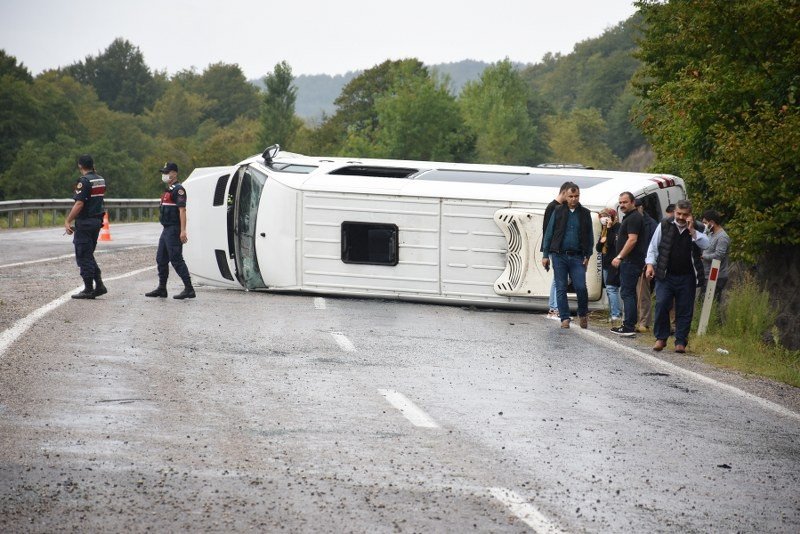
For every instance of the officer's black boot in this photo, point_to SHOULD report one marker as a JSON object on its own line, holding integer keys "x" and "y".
{"x": 160, "y": 291}
{"x": 99, "y": 287}
{"x": 88, "y": 292}
{"x": 187, "y": 293}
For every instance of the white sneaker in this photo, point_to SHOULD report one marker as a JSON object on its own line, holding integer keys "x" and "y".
{"x": 553, "y": 314}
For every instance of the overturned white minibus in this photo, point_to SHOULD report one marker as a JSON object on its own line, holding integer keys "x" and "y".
{"x": 414, "y": 230}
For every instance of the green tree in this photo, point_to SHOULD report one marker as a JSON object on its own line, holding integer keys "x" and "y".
{"x": 720, "y": 107}
{"x": 505, "y": 115}
{"x": 178, "y": 113}
{"x": 278, "y": 121}
{"x": 119, "y": 76}
{"x": 226, "y": 89}
{"x": 417, "y": 119}
{"x": 356, "y": 116}
{"x": 579, "y": 137}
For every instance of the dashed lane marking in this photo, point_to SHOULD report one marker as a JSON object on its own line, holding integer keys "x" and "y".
{"x": 9, "y": 336}
{"x": 65, "y": 256}
{"x": 410, "y": 410}
{"x": 344, "y": 343}
{"x": 319, "y": 303}
{"x": 525, "y": 511}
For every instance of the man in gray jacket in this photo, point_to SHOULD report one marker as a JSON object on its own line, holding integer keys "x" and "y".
{"x": 718, "y": 245}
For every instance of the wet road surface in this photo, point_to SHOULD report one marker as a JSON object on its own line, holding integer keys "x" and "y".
{"x": 257, "y": 411}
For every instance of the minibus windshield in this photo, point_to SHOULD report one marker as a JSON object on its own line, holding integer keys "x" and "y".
{"x": 248, "y": 197}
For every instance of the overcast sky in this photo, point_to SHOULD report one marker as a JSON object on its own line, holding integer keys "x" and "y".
{"x": 313, "y": 36}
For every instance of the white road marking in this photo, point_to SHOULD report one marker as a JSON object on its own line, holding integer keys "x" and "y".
{"x": 525, "y": 511}
{"x": 675, "y": 369}
{"x": 319, "y": 303}
{"x": 408, "y": 409}
{"x": 65, "y": 256}
{"x": 344, "y": 343}
{"x": 9, "y": 336}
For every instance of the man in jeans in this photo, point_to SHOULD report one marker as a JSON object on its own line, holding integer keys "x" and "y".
{"x": 570, "y": 241}
{"x": 552, "y": 312}
{"x": 629, "y": 261}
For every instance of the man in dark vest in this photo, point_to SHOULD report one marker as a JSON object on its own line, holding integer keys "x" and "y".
{"x": 570, "y": 241}
{"x": 673, "y": 262}
{"x": 172, "y": 215}
{"x": 87, "y": 212}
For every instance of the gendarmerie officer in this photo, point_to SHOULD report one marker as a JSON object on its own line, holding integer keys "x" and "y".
{"x": 170, "y": 246}
{"x": 87, "y": 212}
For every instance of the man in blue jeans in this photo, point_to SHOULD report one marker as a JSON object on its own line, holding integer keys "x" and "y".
{"x": 678, "y": 271}
{"x": 570, "y": 242}
{"x": 630, "y": 261}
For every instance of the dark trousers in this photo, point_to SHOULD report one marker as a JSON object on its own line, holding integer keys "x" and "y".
{"x": 628, "y": 278}
{"x": 681, "y": 290}
{"x": 85, "y": 241}
{"x": 170, "y": 250}
{"x": 565, "y": 267}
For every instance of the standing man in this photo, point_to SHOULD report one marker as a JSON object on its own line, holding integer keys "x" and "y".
{"x": 644, "y": 299}
{"x": 87, "y": 212}
{"x": 718, "y": 245}
{"x": 569, "y": 239}
{"x": 629, "y": 261}
{"x": 677, "y": 271}
{"x": 552, "y": 312}
{"x": 172, "y": 215}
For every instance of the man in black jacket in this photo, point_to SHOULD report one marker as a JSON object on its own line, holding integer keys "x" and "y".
{"x": 570, "y": 241}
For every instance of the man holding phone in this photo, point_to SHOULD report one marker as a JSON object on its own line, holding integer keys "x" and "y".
{"x": 678, "y": 271}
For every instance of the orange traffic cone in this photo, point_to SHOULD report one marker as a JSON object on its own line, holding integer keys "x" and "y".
{"x": 105, "y": 232}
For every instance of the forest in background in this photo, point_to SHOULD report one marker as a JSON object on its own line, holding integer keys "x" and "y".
{"x": 710, "y": 85}
{"x": 132, "y": 118}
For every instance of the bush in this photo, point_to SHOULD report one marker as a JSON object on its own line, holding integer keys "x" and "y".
{"x": 747, "y": 311}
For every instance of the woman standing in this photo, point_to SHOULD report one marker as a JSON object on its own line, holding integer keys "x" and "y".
{"x": 607, "y": 245}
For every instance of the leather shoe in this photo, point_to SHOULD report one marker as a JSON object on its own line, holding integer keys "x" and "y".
{"x": 100, "y": 290}
{"x": 680, "y": 349}
{"x": 187, "y": 293}
{"x": 565, "y": 323}
{"x": 584, "y": 321}
{"x": 157, "y": 292}
{"x": 85, "y": 294}
{"x": 659, "y": 346}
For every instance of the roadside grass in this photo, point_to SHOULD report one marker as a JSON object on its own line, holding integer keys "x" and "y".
{"x": 745, "y": 328}
{"x": 48, "y": 219}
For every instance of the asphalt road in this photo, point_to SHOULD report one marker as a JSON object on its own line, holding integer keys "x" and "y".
{"x": 273, "y": 412}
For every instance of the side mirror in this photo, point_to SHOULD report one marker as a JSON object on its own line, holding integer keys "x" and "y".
{"x": 270, "y": 152}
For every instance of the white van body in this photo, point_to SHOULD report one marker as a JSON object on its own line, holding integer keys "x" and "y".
{"x": 425, "y": 231}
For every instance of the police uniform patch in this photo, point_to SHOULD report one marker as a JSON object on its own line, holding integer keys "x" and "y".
{"x": 181, "y": 192}
{"x": 80, "y": 185}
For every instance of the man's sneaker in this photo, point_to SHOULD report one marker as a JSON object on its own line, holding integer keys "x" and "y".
{"x": 565, "y": 323}
{"x": 622, "y": 331}
{"x": 680, "y": 349}
{"x": 642, "y": 329}
{"x": 100, "y": 290}
{"x": 660, "y": 344}
{"x": 157, "y": 292}
{"x": 187, "y": 293}
{"x": 85, "y": 294}
{"x": 553, "y": 314}
{"x": 584, "y": 321}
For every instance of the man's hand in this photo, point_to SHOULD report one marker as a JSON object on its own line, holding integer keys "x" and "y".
{"x": 616, "y": 262}
{"x": 545, "y": 262}
{"x": 649, "y": 272}
{"x": 184, "y": 237}
{"x": 67, "y": 228}
{"x": 585, "y": 262}
{"x": 690, "y": 225}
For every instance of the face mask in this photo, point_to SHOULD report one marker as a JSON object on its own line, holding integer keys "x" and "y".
{"x": 165, "y": 178}
{"x": 604, "y": 221}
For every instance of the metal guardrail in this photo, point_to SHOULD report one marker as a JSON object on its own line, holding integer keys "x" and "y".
{"x": 119, "y": 209}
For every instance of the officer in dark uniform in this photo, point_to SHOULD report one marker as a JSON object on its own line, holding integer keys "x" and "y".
{"x": 87, "y": 212}
{"x": 170, "y": 246}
